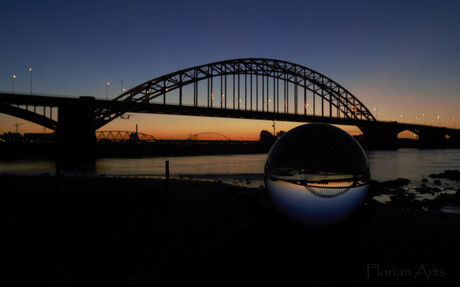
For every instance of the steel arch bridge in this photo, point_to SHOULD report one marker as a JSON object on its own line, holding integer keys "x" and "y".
{"x": 255, "y": 85}
{"x": 195, "y": 136}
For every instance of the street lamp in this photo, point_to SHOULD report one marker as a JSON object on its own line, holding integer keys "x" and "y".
{"x": 30, "y": 70}
{"x": 107, "y": 91}
{"x": 14, "y": 77}
{"x": 376, "y": 113}
{"x": 424, "y": 117}
{"x": 439, "y": 121}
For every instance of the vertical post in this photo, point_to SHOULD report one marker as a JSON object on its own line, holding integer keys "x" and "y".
{"x": 212, "y": 92}
{"x": 287, "y": 97}
{"x": 322, "y": 102}
{"x": 268, "y": 95}
{"x": 180, "y": 90}
{"x": 305, "y": 97}
{"x": 30, "y": 69}
{"x": 330, "y": 105}
{"x": 263, "y": 92}
{"x": 274, "y": 95}
{"x": 164, "y": 92}
{"x": 257, "y": 93}
{"x": 167, "y": 170}
{"x": 278, "y": 94}
{"x": 167, "y": 174}
{"x": 239, "y": 94}
{"x": 251, "y": 92}
{"x": 245, "y": 92}
{"x": 233, "y": 91}
{"x": 295, "y": 96}
{"x": 284, "y": 98}
{"x": 14, "y": 77}
{"x": 314, "y": 97}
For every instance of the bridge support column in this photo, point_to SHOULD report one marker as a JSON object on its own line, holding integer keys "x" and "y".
{"x": 380, "y": 135}
{"x": 75, "y": 135}
{"x": 454, "y": 141}
{"x": 431, "y": 137}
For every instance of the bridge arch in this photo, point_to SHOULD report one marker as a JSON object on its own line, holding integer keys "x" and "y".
{"x": 194, "y": 136}
{"x": 273, "y": 74}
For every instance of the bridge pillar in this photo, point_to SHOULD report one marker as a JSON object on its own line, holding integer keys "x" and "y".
{"x": 454, "y": 141}
{"x": 378, "y": 135}
{"x": 75, "y": 135}
{"x": 431, "y": 137}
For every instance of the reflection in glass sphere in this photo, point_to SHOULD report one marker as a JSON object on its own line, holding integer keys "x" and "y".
{"x": 317, "y": 174}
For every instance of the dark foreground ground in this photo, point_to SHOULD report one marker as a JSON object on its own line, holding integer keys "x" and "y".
{"x": 141, "y": 232}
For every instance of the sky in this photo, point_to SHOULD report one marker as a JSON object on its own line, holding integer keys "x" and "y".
{"x": 399, "y": 58}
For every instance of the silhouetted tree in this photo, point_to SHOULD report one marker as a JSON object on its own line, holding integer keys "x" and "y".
{"x": 267, "y": 139}
{"x": 280, "y": 133}
{"x": 264, "y": 135}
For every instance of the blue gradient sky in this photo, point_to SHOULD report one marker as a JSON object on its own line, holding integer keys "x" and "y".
{"x": 399, "y": 57}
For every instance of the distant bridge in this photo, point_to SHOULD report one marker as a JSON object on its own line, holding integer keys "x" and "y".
{"x": 195, "y": 136}
{"x": 242, "y": 88}
{"x": 121, "y": 136}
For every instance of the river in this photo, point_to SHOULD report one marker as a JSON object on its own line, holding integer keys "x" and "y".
{"x": 246, "y": 169}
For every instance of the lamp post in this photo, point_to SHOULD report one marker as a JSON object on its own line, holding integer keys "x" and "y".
{"x": 376, "y": 113}
{"x": 30, "y": 70}
{"x": 439, "y": 121}
{"x": 107, "y": 91}
{"x": 424, "y": 117}
{"x": 14, "y": 77}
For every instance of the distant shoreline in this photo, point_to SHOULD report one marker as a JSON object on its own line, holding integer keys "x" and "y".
{"x": 17, "y": 150}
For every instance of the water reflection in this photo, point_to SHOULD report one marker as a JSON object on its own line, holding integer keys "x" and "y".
{"x": 308, "y": 208}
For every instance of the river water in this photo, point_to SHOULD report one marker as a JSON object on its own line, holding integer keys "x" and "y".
{"x": 247, "y": 169}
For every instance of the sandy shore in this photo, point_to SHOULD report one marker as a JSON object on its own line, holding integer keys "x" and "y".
{"x": 140, "y": 232}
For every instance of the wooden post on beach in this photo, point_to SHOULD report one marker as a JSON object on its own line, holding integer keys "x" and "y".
{"x": 58, "y": 173}
{"x": 167, "y": 170}
{"x": 167, "y": 174}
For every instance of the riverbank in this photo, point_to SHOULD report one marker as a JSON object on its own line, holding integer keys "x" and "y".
{"x": 138, "y": 232}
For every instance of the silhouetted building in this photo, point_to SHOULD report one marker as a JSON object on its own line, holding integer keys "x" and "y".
{"x": 11, "y": 137}
{"x": 39, "y": 137}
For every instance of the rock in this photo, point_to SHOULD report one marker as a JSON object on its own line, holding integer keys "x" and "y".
{"x": 427, "y": 189}
{"x": 437, "y": 182}
{"x": 396, "y": 183}
{"x": 424, "y": 180}
{"x": 447, "y": 174}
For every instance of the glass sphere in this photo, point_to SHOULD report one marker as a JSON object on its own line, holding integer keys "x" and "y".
{"x": 317, "y": 174}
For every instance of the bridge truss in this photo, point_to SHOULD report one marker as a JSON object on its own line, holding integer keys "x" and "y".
{"x": 256, "y": 85}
